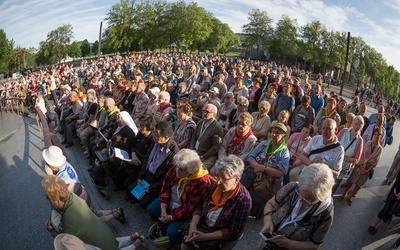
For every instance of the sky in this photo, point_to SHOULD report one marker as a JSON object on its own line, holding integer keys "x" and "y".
{"x": 27, "y": 22}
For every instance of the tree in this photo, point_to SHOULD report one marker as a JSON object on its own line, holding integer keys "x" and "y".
{"x": 259, "y": 29}
{"x": 6, "y": 48}
{"x": 285, "y": 37}
{"x": 58, "y": 41}
{"x": 120, "y": 32}
{"x": 95, "y": 47}
{"x": 221, "y": 38}
{"x": 74, "y": 50}
{"x": 85, "y": 48}
{"x": 312, "y": 37}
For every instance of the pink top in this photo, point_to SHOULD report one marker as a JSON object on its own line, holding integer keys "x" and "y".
{"x": 296, "y": 146}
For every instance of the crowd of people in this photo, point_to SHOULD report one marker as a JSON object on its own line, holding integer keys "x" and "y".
{"x": 212, "y": 140}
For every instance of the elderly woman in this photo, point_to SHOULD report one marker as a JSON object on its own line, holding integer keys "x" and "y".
{"x": 239, "y": 140}
{"x": 328, "y": 112}
{"x": 303, "y": 114}
{"x": 226, "y": 107}
{"x": 165, "y": 107}
{"x": 185, "y": 127}
{"x": 233, "y": 116}
{"x": 239, "y": 89}
{"x": 270, "y": 159}
{"x": 352, "y": 142}
{"x": 301, "y": 213}
{"x": 220, "y": 219}
{"x": 369, "y": 159}
{"x": 183, "y": 188}
{"x": 159, "y": 162}
{"x": 296, "y": 143}
{"x": 261, "y": 120}
{"x": 77, "y": 219}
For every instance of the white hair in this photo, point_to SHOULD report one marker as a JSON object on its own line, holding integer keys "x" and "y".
{"x": 164, "y": 95}
{"x": 318, "y": 180}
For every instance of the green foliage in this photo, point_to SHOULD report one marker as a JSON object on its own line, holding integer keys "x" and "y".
{"x": 74, "y": 50}
{"x": 6, "y": 48}
{"x": 284, "y": 40}
{"x": 259, "y": 29}
{"x": 85, "y": 48}
{"x": 95, "y": 47}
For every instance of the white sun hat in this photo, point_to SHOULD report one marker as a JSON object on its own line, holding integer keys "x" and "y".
{"x": 54, "y": 156}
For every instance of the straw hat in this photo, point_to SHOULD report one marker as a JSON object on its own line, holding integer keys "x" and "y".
{"x": 94, "y": 124}
{"x": 68, "y": 242}
{"x": 54, "y": 156}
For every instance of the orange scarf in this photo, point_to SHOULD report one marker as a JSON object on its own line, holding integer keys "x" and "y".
{"x": 216, "y": 197}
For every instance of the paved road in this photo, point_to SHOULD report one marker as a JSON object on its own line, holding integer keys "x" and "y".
{"x": 24, "y": 207}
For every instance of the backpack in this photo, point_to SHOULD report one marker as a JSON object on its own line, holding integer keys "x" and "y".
{"x": 98, "y": 175}
{"x": 158, "y": 235}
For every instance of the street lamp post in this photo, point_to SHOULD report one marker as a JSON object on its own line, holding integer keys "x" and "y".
{"x": 345, "y": 64}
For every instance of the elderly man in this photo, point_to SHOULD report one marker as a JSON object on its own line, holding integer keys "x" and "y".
{"x": 324, "y": 148}
{"x": 207, "y": 137}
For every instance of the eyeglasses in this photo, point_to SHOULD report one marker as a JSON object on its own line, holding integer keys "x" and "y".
{"x": 242, "y": 124}
{"x": 305, "y": 200}
{"x": 207, "y": 112}
{"x": 222, "y": 179}
{"x": 242, "y": 104}
{"x": 227, "y": 97}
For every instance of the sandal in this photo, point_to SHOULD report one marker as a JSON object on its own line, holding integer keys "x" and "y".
{"x": 135, "y": 236}
{"x": 140, "y": 243}
{"x": 349, "y": 201}
{"x": 341, "y": 198}
{"x": 121, "y": 215}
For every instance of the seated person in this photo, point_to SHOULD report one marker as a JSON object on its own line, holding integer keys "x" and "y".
{"x": 165, "y": 107}
{"x": 158, "y": 164}
{"x": 226, "y": 107}
{"x": 297, "y": 142}
{"x": 330, "y": 152}
{"x": 185, "y": 126}
{"x": 77, "y": 219}
{"x": 183, "y": 188}
{"x": 239, "y": 140}
{"x": 56, "y": 164}
{"x": 219, "y": 221}
{"x": 305, "y": 205}
{"x": 270, "y": 159}
{"x": 207, "y": 137}
{"x": 261, "y": 121}
{"x": 122, "y": 138}
{"x": 233, "y": 116}
{"x": 142, "y": 145}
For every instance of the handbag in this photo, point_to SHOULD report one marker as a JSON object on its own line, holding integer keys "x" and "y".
{"x": 266, "y": 186}
{"x": 390, "y": 141}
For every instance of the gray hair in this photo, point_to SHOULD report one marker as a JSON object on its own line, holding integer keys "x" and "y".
{"x": 213, "y": 107}
{"x": 231, "y": 165}
{"x": 187, "y": 159}
{"x": 317, "y": 179}
{"x": 91, "y": 94}
{"x": 164, "y": 95}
